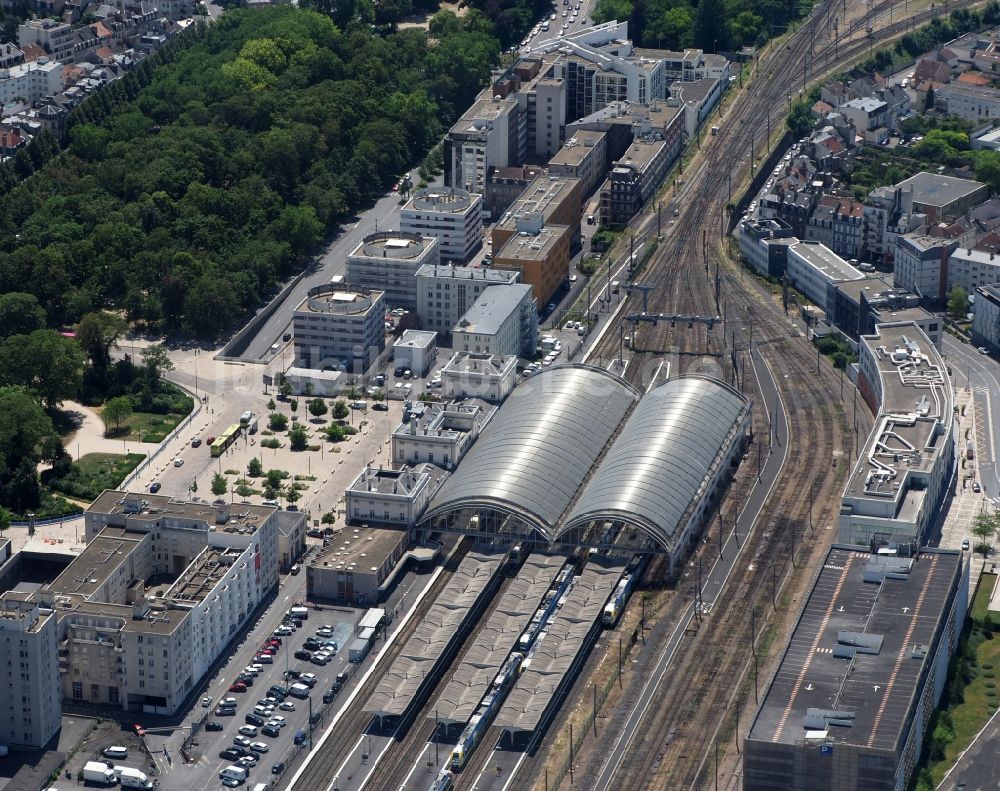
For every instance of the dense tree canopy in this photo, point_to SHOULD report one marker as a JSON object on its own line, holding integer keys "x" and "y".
{"x": 187, "y": 205}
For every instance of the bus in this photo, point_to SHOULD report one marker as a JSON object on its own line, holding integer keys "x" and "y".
{"x": 225, "y": 439}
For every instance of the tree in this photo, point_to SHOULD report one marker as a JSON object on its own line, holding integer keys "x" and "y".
{"x": 156, "y": 362}
{"x": 294, "y": 405}
{"x": 317, "y": 407}
{"x": 335, "y": 432}
{"x": 244, "y": 491}
{"x": 285, "y": 390}
{"x": 20, "y": 314}
{"x": 219, "y": 485}
{"x": 254, "y": 468}
{"x": 4, "y": 520}
{"x": 298, "y": 438}
{"x": 711, "y": 32}
{"x": 194, "y": 487}
{"x": 958, "y": 303}
{"x": 800, "y": 119}
{"x": 117, "y": 410}
{"x": 99, "y": 331}
{"x": 271, "y": 405}
{"x": 292, "y": 495}
{"x": 274, "y": 478}
{"x": 277, "y": 421}
{"x": 44, "y": 361}
{"x": 984, "y": 526}
{"x": 340, "y": 410}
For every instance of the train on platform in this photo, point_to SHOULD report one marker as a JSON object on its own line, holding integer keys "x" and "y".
{"x": 616, "y": 603}
{"x": 480, "y": 722}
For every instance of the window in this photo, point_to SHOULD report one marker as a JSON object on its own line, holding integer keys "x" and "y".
{"x": 77, "y": 690}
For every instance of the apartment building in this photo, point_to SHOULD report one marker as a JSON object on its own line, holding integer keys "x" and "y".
{"x": 634, "y": 179}
{"x": 452, "y": 216}
{"x": 838, "y": 223}
{"x": 986, "y": 317}
{"x": 505, "y": 185}
{"x": 547, "y": 201}
{"x": 921, "y": 265}
{"x": 58, "y": 39}
{"x": 338, "y": 328}
{"x": 697, "y": 99}
{"x": 870, "y": 116}
{"x": 764, "y": 245}
{"x": 388, "y": 261}
{"x": 583, "y": 157}
{"x": 972, "y": 102}
{"x": 970, "y": 268}
{"x": 491, "y": 133}
{"x": 30, "y": 82}
{"x": 940, "y": 197}
{"x": 444, "y": 293}
{"x": 30, "y": 704}
{"x": 690, "y": 65}
{"x": 502, "y": 322}
{"x": 389, "y": 497}
{"x": 141, "y": 615}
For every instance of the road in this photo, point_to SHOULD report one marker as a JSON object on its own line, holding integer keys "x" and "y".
{"x": 983, "y": 373}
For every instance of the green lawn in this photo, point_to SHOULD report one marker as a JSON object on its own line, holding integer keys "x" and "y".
{"x": 147, "y": 426}
{"x": 979, "y": 694}
{"x": 94, "y": 473}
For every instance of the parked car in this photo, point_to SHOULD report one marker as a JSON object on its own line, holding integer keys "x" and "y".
{"x": 328, "y": 696}
{"x": 271, "y": 730}
{"x": 248, "y": 730}
{"x": 287, "y": 705}
{"x": 303, "y": 654}
{"x": 230, "y": 754}
{"x": 212, "y": 725}
{"x": 239, "y": 686}
{"x": 241, "y": 741}
{"x": 278, "y": 767}
{"x": 309, "y": 679}
{"x": 259, "y": 747}
{"x": 154, "y": 487}
{"x": 255, "y": 720}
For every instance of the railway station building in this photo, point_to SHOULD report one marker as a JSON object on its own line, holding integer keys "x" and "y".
{"x": 574, "y": 447}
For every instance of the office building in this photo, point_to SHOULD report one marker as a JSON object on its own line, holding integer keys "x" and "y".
{"x": 764, "y": 245}
{"x": 583, "y": 157}
{"x": 857, "y": 307}
{"x": 505, "y": 185}
{"x": 388, "y": 261}
{"x": 902, "y": 474}
{"x": 30, "y": 703}
{"x": 485, "y": 376}
{"x": 940, "y": 197}
{"x": 491, "y": 133}
{"x": 697, "y": 100}
{"x": 812, "y": 267}
{"x": 552, "y": 200}
{"x": 503, "y": 321}
{"x": 540, "y": 255}
{"x": 340, "y": 329}
{"x": 986, "y": 318}
{"x": 416, "y": 350}
{"x": 452, "y": 216}
{"x": 850, "y": 702}
{"x": 444, "y": 293}
{"x": 30, "y": 82}
{"x": 921, "y": 265}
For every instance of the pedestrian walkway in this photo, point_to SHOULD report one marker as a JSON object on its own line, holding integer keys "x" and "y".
{"x": 89, "y": 437}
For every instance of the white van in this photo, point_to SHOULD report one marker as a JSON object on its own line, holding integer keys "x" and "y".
{"x": 299, "y": 612}
{"x": 300, "y": 691}
{"x": 115, "y": 752}
{"x": 262, "y": 787}
{"x": 237, "y": 773}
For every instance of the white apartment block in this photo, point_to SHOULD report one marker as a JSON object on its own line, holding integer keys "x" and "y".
{"x": 58, "y": 39}
{"x": 970, "y": 102}
{"x": 812, "y": 266}
{"x": 388, "y": 261}
{"x": 971, "y": 269}
{"x": 452, "y": 216}
{"x": 444, "y": 293}
{"x": 340, "y": 329}
{"x": 116, "y": 646}
{"x": 30, "y": 82}
{"x": 921, "y": 265}
{"x": 503, "y": 321}
{"x": 986, "y": 317}
{"x": 30, "y": 704}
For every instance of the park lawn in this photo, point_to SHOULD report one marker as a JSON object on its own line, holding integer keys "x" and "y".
{"x": 969, "y": 716}
{"x": 94, "y": 473}
{"x": 148, "y": 426}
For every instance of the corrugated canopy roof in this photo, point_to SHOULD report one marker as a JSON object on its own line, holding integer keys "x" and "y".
{"x": 663, "y": 457}
{"x": 539, "y": 447}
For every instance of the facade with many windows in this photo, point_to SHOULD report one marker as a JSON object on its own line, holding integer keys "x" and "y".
{"x": 339, "y": 329}
{"x": 452, "y": 216}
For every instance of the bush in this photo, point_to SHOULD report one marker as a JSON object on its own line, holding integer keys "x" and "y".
{"x": 270, "y": 442}
{"x": 94, "y": 473}
{"x": 277, "y": 421}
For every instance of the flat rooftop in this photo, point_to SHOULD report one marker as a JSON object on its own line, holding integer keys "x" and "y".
{"x": 362, "y": 547}
{"x": 824, "y": 259}
{"x": 493, "y": 308}
{"x": 508, "y": 619}
{"x": 476, "y": 363}
{"x": 916, "y": 400}
{"x": 443, "y": 200}
{"x": 577, "y": 148}
{"x": 939, "y": 190}
{"x": 337, "y": 299}
{"x": 403, "y": 481}
{"x": 444, "y": 271}
{"x": 98, "y": 561}
{"x": 142, "y": 508}
{"x": 531, "y": 246}
{"x": 416, "y": 339}
{"x": 451, "y": 418}
{"x": 693, "y": 91}
{"x": 435, "y": 632}
{"x": 204, "y": 573}
{"x": 394, "y": 244}
{"x": 481, "y": 115}
{"x": 641, "y": 152}
{"x": 858, "y": 650}
{"x": 542, "y": 196}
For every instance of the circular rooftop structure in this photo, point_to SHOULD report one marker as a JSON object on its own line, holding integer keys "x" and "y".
{"x": 394, "y": 244}
{"x": 442, "y": 199}
{"x": 654, "y": 475}
{"x": 536, "y": 451}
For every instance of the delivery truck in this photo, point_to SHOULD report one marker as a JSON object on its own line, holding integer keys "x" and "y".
{"x": 132, "y": 778}
{"x": 97, "y": 772}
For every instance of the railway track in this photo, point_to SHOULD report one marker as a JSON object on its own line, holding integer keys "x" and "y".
{"x": 321, "y": 770}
